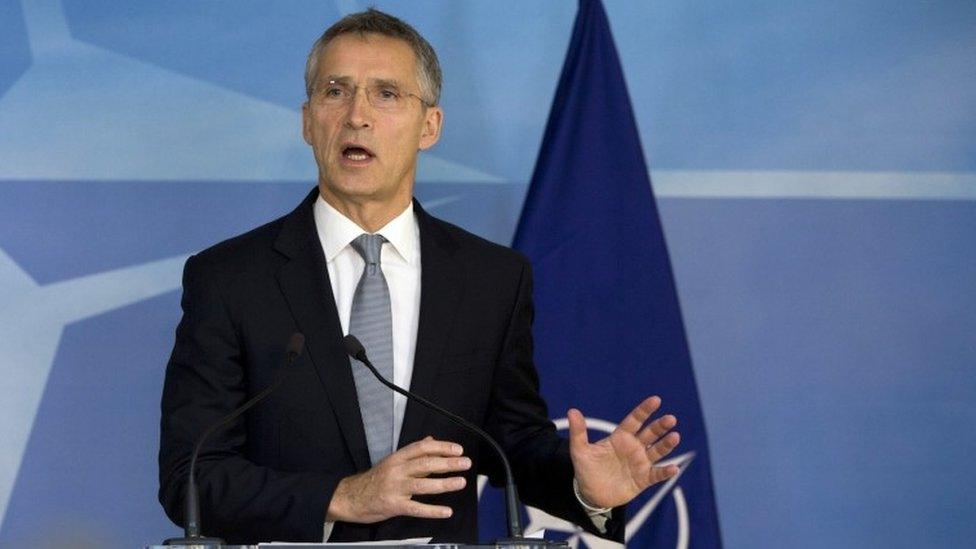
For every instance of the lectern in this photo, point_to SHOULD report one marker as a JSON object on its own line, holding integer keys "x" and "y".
{"x": 528, "y": 544}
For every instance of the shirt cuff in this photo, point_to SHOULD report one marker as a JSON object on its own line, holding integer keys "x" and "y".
{"x": 327, "y": 531}
{"x": 598, "y": 515}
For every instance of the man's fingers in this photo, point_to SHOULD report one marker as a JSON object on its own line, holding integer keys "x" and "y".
{"x": 429, "y": 446}
{"x": 577, "y": 429}
{"x": 657, "y": 428}
{"x": 427, "y": 465}
{"x": 663, "y": 447}
{"x": 636, "y": 418}
{"x": 420, "y": 486}
{"x": 659, "y": 474}
{"x": 386, "y": 490}
{"x": 413, "y": 508}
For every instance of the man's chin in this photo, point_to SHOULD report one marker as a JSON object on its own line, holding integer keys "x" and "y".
{"x": 343, "y": 182}
{"x": 352, "y": 191}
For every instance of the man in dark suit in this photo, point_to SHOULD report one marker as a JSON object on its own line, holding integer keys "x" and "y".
{"x": 305, "y": 465}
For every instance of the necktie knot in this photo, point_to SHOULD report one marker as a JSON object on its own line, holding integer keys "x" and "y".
{"x": 368, "y": 246}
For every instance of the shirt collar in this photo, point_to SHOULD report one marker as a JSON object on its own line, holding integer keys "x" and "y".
{"x": 336, "y": 231}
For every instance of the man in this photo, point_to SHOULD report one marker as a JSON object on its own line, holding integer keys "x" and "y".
{"x": 332, "y": 454}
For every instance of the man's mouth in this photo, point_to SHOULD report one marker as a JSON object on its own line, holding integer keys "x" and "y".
{"x": 356, "y": 153}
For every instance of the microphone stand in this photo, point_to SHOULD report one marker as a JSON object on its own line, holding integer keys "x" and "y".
{"x": 515, "y": 537}
{"x": 191, "y": 509}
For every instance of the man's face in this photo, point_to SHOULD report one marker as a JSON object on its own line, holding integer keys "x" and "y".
{"x": 367, "y": 154}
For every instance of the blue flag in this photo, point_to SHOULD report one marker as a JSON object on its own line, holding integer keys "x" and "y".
{"x": 608, "y": 327}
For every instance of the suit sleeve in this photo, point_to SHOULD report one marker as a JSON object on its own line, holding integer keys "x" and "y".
{"x": 205, "y": 380}
{"x": 519, "y": 419}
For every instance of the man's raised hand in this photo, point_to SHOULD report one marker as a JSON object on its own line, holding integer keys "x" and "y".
{"x": 613, "y": 471}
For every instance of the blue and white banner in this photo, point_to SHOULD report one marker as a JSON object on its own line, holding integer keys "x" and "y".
{"x": 814, "y": 169}
{"x": 608, "y": 326}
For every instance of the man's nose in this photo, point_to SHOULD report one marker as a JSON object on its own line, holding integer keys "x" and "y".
{"x": 360, "y": 110}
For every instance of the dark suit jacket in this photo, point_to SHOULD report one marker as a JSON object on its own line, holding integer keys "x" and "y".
{"x": 271, "y": 475}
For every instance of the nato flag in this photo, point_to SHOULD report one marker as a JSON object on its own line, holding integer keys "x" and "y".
{"x": 608, "y": 326}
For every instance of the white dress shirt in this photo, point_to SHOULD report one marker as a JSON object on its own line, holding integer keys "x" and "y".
{"x": 400, "y": 261}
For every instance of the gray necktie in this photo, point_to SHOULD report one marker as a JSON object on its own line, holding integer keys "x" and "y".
{"x": 371, "y": 321}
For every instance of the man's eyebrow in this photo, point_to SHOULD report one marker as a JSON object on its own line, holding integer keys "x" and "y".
{"x": 384, "y": 82}
{"x": 337, "y": 78}
{"x": 347, "y": 80}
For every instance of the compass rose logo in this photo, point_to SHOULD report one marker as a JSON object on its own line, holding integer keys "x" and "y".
{"x": 578, "y": 538}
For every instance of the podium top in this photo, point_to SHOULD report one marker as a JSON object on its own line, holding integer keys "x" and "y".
{"x": 528, "y": 545}
{"x": 330, "y": 546}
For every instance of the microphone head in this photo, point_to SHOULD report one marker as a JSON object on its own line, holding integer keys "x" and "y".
{"x": 295, "y": 345}
{"x": 353, "y": 346}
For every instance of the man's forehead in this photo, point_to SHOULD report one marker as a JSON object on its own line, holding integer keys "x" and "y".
{"x": 366, "y": 49}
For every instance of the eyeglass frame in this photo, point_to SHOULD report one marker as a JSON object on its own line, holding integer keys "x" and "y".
{"x": 353, "y": 89}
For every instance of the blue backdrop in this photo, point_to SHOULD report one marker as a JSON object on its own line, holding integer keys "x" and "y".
{"x": 814, "y": 166}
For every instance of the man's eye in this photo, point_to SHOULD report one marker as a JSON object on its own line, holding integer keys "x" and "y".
{"x": 387, "y": 94}
{"x": 334, "y": 92}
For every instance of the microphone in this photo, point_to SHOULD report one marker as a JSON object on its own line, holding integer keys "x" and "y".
{"x": 191, "y": 503}
{"x": 357, "y": 351}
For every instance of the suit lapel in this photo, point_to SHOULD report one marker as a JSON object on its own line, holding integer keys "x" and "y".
{"x": 441, "y": 285}
{"x": 304, "y": 281}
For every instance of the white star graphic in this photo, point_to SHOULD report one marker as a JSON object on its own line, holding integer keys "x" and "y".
{"x": 132, "y": 110}
{"x": 539, "y": 519}
{"x": 32, "y": 318}
{"x": 578, "y": 538}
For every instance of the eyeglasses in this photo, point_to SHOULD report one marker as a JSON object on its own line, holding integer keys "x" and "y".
{"x": 382, "y": 96}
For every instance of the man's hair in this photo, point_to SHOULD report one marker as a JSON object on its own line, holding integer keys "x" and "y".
{"x": 373, "y": 21}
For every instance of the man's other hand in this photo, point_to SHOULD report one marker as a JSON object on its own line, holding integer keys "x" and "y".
{"x": 615, "y": 470}
{"x": 388, "y": 488}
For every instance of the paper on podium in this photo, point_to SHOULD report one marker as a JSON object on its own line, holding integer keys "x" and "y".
{"x": 538, "y": 534}
{"x": 411, "y": 541}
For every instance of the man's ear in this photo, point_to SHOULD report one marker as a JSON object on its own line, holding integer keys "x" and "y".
{"x": 433, "y": 119}
{"x": 306, "y": 123}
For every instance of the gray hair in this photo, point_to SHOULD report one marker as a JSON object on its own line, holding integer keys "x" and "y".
{"x": 373, "y": 21}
